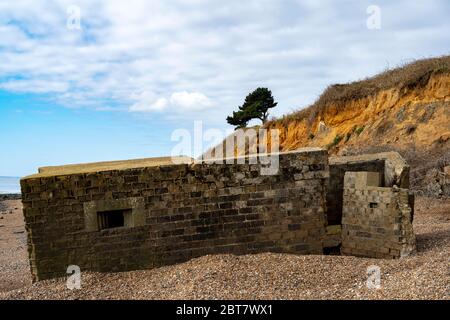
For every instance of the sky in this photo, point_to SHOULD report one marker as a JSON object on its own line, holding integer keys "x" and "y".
{"x": 91, "y": 80}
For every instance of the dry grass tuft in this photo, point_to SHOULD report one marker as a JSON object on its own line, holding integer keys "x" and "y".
{"x": 405, "y": 77}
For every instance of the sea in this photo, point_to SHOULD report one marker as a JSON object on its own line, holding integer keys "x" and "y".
{"x": 9, "y": 185}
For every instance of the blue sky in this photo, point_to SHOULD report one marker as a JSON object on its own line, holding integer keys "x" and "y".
{"x": 137, "y": 70}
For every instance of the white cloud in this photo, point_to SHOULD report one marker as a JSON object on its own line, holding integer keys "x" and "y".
{"x": 35, "y": 86}
{"x": 190, "y": 101}
{"x": 178, "y": 102}
{"x": 157, "y": 106}
{"x": 190, "y": 53}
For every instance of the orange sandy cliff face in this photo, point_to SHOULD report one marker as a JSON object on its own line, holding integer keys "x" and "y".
{"x": 399, "y": 117}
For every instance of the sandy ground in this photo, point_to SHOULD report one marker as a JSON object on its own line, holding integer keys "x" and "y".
{"x": 424, "y": 275}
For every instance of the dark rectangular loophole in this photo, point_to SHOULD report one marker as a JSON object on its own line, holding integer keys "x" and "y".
{"x": 111, "y": 219}
{"x": 373, "y": 205}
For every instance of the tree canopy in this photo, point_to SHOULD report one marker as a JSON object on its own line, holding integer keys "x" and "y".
{"x": 256, "y": 106}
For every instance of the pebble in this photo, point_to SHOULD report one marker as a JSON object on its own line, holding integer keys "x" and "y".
{"x": 423, "y": 275}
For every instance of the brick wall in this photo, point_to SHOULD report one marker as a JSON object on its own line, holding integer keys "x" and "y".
{"x": 392, "y": 167}
{"x": 376, "y": 221}
{"x": 335, "y": 185}
{"x": 177, "y": 212}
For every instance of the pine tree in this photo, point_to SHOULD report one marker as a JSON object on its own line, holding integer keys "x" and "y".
{"x": 256, "y": 106}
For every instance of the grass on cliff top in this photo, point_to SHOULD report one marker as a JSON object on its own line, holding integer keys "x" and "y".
{"x": 405, "y": 77}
